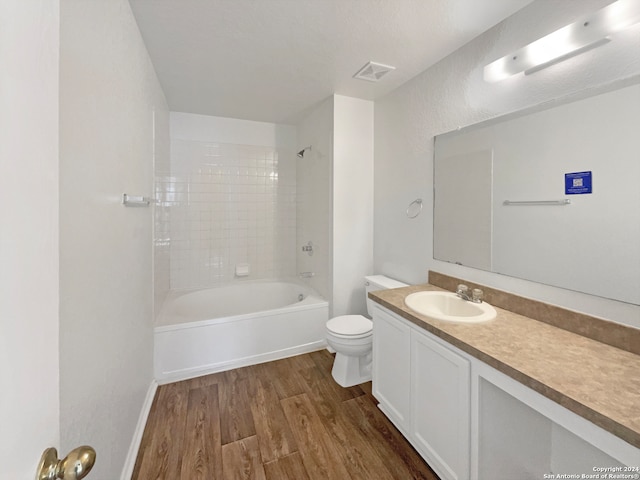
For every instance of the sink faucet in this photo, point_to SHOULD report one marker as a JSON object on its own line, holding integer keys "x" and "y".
{"x": 463, "y": 292}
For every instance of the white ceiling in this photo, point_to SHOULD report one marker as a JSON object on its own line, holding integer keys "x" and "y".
{"x": 270, "y": 60}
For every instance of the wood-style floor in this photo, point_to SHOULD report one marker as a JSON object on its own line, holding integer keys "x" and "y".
{"x": 286, "y": 419}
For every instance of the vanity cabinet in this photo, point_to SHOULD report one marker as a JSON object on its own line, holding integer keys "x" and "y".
{"x": 440, "y": 406}
{"x": 466, "y": 419}
{"x": 423, "y": 388}
{"x": 391, "y": 373}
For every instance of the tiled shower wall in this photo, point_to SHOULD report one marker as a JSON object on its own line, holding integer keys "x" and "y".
{"x": 224, "y": 204}
{"x": 161, "y": 163}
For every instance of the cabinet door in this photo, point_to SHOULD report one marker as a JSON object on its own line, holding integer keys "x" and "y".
{"x": 391, "y": 367}
{"x": 440, "y": 406}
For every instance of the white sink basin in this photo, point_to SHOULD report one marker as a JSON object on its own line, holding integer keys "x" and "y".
{"x": 447, "y": 306}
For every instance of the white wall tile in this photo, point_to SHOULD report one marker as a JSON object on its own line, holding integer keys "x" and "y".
{"x": 224, "y": 203}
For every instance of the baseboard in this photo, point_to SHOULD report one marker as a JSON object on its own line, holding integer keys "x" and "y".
{"x": 186, "y": 374}
{"x": 130, "y": 461}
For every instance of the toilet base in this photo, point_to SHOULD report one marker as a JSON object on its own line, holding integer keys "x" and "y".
{"x": 350, "y": 370}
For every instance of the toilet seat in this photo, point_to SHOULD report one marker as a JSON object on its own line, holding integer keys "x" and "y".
{"x": 350, "y": 326}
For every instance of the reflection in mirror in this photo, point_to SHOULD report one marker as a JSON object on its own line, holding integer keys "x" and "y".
{"x": 570, "y": 177}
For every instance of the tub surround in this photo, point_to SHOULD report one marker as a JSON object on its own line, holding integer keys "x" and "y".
{"x": 589, "y": 377}
{"x": 227, "y": 197}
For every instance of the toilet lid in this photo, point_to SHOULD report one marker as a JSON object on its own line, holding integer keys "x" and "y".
{"x": 350, "y": 325}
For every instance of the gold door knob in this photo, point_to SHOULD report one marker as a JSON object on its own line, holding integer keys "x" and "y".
{"x": 74, "y": 466}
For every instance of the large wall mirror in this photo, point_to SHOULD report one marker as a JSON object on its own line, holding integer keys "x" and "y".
{"x": 551, "y": 195}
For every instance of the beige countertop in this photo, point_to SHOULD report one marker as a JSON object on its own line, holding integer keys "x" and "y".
{"x": 594, "y": 380}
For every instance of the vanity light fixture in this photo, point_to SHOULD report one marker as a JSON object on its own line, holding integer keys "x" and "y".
{"x": 589, "y": 32}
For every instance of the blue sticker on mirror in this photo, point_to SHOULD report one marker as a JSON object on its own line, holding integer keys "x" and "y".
{"x": 577, "y": 183}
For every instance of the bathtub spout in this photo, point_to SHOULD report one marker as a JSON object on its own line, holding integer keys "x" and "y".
{"x": 307, "y": 274}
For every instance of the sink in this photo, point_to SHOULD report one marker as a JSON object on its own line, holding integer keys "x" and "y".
{"x": 447, "y": 306}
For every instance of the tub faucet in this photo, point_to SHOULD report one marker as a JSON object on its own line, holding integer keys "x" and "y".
{"x": 307, "y": 274}
{"x": 463, "y": 292}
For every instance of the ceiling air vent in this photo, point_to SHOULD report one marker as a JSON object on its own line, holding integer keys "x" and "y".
{"x": 372, "y": 72}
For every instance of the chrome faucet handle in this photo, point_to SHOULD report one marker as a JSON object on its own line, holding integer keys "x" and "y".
{"x": 462, "y": 289}
{"x": 476, "y": 295}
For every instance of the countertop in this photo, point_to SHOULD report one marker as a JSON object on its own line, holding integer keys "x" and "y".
{"x": 594, "y": 380}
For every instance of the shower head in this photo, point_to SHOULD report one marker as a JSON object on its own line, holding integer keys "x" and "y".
{"x": 300, "y": 154}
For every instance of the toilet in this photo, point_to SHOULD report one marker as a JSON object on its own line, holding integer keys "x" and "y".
{"x": 351, "y": 337}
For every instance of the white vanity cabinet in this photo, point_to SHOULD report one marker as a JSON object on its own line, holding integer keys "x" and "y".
{"x": 391, "y": 374}
{"x": 440, "y": 405}
{"x": 471, "y": 422}
{"x": 423, "y": 388}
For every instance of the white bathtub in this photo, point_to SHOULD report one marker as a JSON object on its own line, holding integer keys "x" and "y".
{"x": 221, "y": 328}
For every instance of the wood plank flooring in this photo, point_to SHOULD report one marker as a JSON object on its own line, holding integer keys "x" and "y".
{"x": 286, "y": 419}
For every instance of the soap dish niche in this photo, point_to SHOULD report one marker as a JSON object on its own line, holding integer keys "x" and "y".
{"x": 242, "y": 270}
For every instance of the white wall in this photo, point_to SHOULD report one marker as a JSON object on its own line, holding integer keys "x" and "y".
{"x": 452, "y": 93}
{"x": 109, "y": 98}
{"x": 228, "y": 199}
{"x": 335, "y": 200}
{"x": 352, "y": 203}
{"x": 314, "y": 196}
{"x": 29, "y": 404}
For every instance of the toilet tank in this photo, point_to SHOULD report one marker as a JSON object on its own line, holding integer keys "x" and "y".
{"x": 379, "y": 282}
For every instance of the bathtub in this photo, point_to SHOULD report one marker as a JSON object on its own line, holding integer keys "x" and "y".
{"x": 220, "y": 328}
